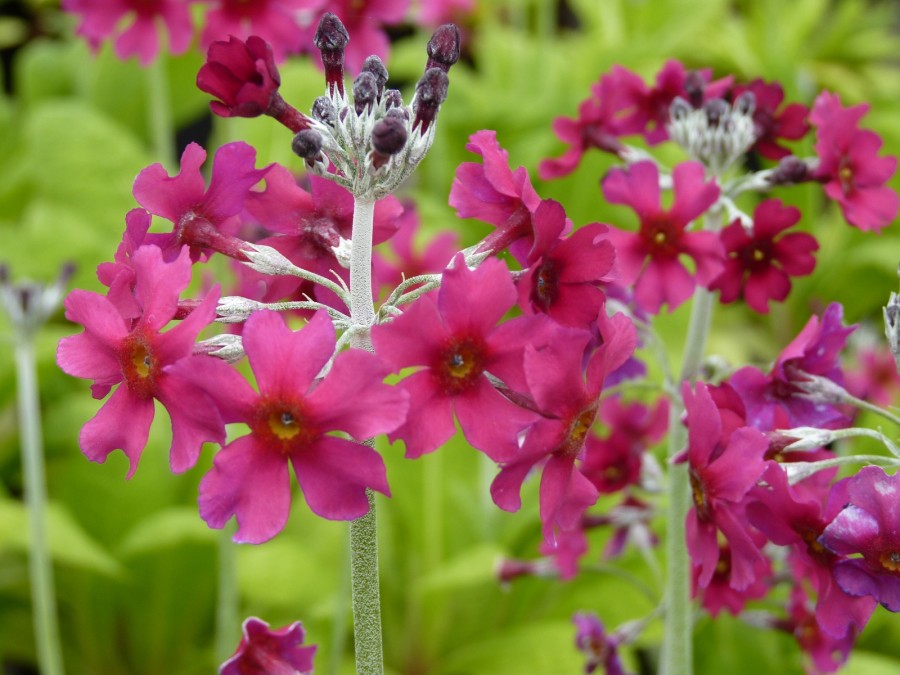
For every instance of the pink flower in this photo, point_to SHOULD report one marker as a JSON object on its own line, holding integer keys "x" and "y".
{"x": 457, "y": 340}
{"x": 133, "y": 353}
{"x": 601, "y": 648}
{"x": 493, "y": 193}
{"x": 719, "y": 594}
{"x": 649, "y": 258}
{"x": 263, "y": 651}
{"x": 202, "y": 217}
{"x": 564, "y": 274}
{"x": 849, "y": 166}
{"x": 869, "y": 526}
{"x": 722, "y": 469}
{"x": 275, "y": 21}
{"x": 567, "y": 394}
{"x": 771, "y": 124}
{"x": 757, "y": 267}
{"x": 291, "y": 420}
{"x": 102, "y": 19}
{"x": 826, "y": 652}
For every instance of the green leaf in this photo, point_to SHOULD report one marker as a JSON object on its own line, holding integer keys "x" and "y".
{"x": 166, "y": 528}
{"x": 471, "y": 567}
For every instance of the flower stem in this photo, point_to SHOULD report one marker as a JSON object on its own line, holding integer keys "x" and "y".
{"x": 363, "y": 531}
{"x": 162, "y": 132}
{"x": 227, "y": 622}
{"x": 46, "y": 628}
{"x": 677, "y": 636}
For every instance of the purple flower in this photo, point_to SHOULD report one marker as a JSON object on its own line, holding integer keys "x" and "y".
{"x": 102, "y": 19}
{"x": 600, "y": 648}
{"x": 869, "y": 525}
{"x": 650, "y": 258}
{"x": 457, "y": 340}
{"x": 291, "y": 419}
{"x": 757, "y": 267}
{"x": 132, "y": 353}
{"x": 263, "y": 651}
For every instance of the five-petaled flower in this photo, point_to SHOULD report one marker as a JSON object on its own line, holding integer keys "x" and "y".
{"x": 263, "y": 651}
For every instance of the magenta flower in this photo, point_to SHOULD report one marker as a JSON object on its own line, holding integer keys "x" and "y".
{"x": 104, "y": 19}
{"x": 719, "y": 594}
{"x": 493, "y": 193}
{"x": 815, "y": 351}
{"x": 564, "y": 274}
{"x": 649, "y": 258}
{"x": 758, "y": 267}
{"x": 202, "y": 217}
{"x": 134, "y": 354}
{"x": 722, "y": 469}
{"x": 869, "y": 525}
{"x": 771, "y": 124}
{"x": 291, "y": 420}
{"x": 275, "y": 21}
{"x": 457, "y": 340}
{"x": 827, "y": 653}
{"x": 849, "y": 166}
{"x": 600, "y": 648}
{"x": 567, "y": 394}
{"x": 263, "y": 651}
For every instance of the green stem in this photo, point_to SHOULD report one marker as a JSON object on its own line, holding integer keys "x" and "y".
{"x": 227, "y": 621}
{"x": 162, "y": 128}
{"x": 678, "y": 633}
{"x": 363, "y": 531}
{"x": 46, "y": 628}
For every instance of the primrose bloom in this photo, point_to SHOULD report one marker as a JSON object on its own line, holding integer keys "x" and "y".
{"x": 290, "y": 419}
{"x": 133, "y": 353}
{"x": 263, "y": 651}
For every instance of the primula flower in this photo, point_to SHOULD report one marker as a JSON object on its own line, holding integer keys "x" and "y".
{"x": 649, "y": 258}
{"x": 849, "y": 166}
{"x": 758, "y": 267}
{"x": 770, "y": 123}
{"x": 567, "y": 393}
{"x": 275, "y": 21}
{"x": 291, "y": 420}
{"x": 134, "y": 354}
{"x": 202, "y": 216}
{"x": 263, "y": 651}
{"x": 493, "y": 193}
{"x": 719, "y": 594}
{"x": 869, "y": 526}
{"x": 815, "y": 351}
{"x": 457, "y": 340}
{"x": 826, "y": 652}
{"x": 564, "y": 274}
{"x": 102, "y": 19}
{"x": 601, "y": 648}
{"x": 722, "y": 469}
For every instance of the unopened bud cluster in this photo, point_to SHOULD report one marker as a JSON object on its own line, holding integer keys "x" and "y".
{"x": 371, "y": 137}
{"x": 714, "y": 133}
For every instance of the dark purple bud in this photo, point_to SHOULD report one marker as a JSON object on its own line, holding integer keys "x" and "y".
{"x": 392, "y": 99}
{"x": 431, "y": 91}
{"x": 679, "y": 109}
{"x": 331, "y": 39}
{"x": 307, "y": 144}
{"x": 389, "y": 135}
{"x": 401, "y": 113}
{"x": 745, "y": 104}
{"x": 790, "y": 170}
{"x": 443, "y": 48}
{"x": 365, "y": 90}
{"x": 694, "y": 86}
{"x": 716, "y": 110}
{"x": 323, "y": 110}
{"x": 375, "y": 66}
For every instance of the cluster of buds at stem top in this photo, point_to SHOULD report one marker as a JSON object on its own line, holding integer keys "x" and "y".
{"x": 28, "y": 304}
{"x": 715, "y": 133}
{"x": 371, "y": 138}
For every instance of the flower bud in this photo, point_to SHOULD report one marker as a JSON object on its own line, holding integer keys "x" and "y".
{"x": 388, "y": 138}
{"x": 790, "y": 170}
{"x": 443, "y": 48}
{"x": 393, "y": 99}
{"x": 331, "y": 38}
{"x": 431, "y": 91}
{"x": 375, "y": 66}
{"x": 307, "y": 144}
{"x": 323, "y": 111}
{"x": 365, "y": 91}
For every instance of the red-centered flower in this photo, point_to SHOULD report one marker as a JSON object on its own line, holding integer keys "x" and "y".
{"x": 794, "y": 517}
{"x": 275, "y": 21}
{"x": 568, "y": 396}
{"x": 493, "y": 193}
{"x": 722, "y": 470}
{"x": 869, "y": 526}
{"x": 309, "y": 224}
{"x": 650, "y": 258}
{"x": 365, "y": 21}
{"x": 291, "y": 420}
{"x": 457, "y": 340}
{"x": 600, "y": 648}
{"x": 614, "y": 462}
{"x": 202, "y": 217}
{"x": 849, "y": 166}
{"x": 134, "y": 354}
{"x": 564, "y": 274}
{"x": 815, "y": 351}
{"x": 263, "y": 651}
{"x": 771, "y": 124}
{"x": 102, "y": 19}
{"x": 760, "y": 263}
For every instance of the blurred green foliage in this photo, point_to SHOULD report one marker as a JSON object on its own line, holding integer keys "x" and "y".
{"x": 136, "y": 567}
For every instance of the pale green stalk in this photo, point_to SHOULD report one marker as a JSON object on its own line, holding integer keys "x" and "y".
{"x": 227, "y": 621}
{"x": 159, "y": 113}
